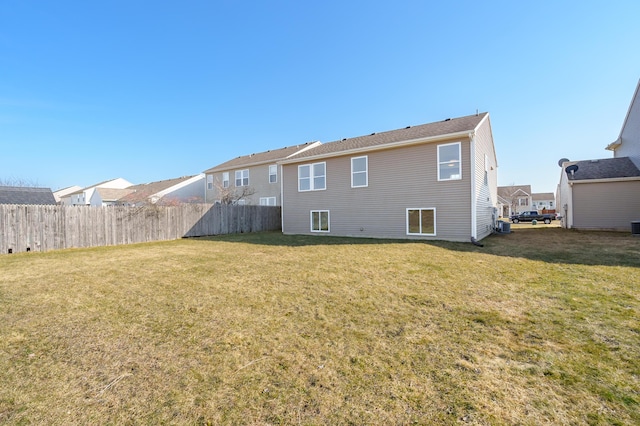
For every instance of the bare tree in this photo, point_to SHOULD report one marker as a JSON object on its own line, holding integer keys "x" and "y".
{"x": 24, "y": 183}
{"x": 232, "y": 196}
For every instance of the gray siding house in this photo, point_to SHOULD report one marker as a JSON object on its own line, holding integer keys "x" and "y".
{"x": 604, "y": 194}
{"x": 250, "y": 179}
{"x": 432, "y": 181}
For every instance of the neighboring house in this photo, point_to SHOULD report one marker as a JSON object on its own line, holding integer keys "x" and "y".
{"x": 65, "y": 191}
{"x": 83, "y": 196}
{"x": 432, "y": 181}
{"x": 186, "y": 189}
{"x": 628, "y": 143}
{"x": 543, "y": 201}
{"x": 108, "y": 196}
{"x": 514, "y": 199}
{"x": 250, "y": 179}
{"x": 26, "y": 195}
{"x": 599, "y": 194}
{"x": 605, "y": 193}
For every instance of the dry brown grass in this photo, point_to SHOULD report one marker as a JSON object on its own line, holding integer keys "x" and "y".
{"x": 537, "y": 327}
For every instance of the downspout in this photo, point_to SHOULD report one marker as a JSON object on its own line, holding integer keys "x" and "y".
{"x": 281, "y": 198}
{"x": 472, "y": 156}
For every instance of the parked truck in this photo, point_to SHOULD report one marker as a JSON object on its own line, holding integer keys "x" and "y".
{"x": 530, "y": 216}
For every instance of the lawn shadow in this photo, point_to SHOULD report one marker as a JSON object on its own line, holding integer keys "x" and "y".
{"x": 551, "y": 244}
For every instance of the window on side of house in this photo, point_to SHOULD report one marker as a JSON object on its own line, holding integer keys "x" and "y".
{"x": 267, "y": 201}
{"x": 359, "y": 171}
{"x": 312, "y": 177}
{"x": 449, "y": 161}
{"x": 209, "y": 182}
{"x": 273, "y": 173}
{"x": 320, "y": 221}
{"x": 225, "y": 179}
{"x": 242, "y": 177}
{"x": 421, "y": 221}
{"x": 486, "y": 169}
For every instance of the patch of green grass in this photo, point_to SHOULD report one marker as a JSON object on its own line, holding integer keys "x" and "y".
{"x": 538, "y": 326}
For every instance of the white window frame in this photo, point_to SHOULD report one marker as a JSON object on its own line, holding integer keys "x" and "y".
{"x": 311, "y": 223}
{"x": 209, "y": 182}
{"x": 459, "y": 161}
{"x": 267, "y": 201}
{"x": 273, "y": 173}
{"x": 421, "y": 209}
{"x": 242, "y": 177}
{"x": 312, "y": 177}
{"x": 225, "y": 179}
{"x": 365, "y": 171}
{"x": 486, "y": 169}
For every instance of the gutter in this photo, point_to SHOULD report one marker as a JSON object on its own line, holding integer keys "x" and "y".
{"x": 605, "y": 180}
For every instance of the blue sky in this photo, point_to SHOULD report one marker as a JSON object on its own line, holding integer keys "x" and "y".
{"x": 152, "y": 90}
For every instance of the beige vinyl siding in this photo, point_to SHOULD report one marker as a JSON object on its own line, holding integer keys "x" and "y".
{"x": 606, "y": 205}
{"x": 258, "y": 182}
{"x": 485, "y": 195}
{"x": 398, "y": 179}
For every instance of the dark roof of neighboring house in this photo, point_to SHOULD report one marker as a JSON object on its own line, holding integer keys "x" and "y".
{"x": 606, "y": 168}
{"x": 26, "y": 195}
{"x": 260, "y": 158}
{"x": 142, "y": 192}
{"x": 409, "y": 133}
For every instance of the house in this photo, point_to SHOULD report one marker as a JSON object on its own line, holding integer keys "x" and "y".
{"x": 186, "y": 189}
{"x": 83, "y": 196}
{"x": 599, "y": 194}
{"x": 604, "y": 194}
{"x": 26, "y": 195}
{"x": 108, "y": 196}
{"x": 65, "y": 191}
{"x": 543, "y": 201}
{"x": 250, "y": 179}
{"x": 628, "y": 142}
{"x": 432, "y": 181}
{"x": 514, "y": 199}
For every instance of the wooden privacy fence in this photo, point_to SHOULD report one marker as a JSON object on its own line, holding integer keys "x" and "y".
{"x": 42, "y": 228}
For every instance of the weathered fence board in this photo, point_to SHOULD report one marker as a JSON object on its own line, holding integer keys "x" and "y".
{"x": 43, "y": 228}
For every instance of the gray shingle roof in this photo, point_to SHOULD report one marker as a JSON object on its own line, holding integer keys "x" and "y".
{"x": 423, "y": 131}
{"x": 26, "y": 195}
{"x": 607, "y": 168}
{"x": 270, "y": 156}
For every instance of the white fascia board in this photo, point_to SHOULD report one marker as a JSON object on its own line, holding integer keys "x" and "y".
{"x": 179, "y": 185}
{"x": 465, "y": 134}
{"x": 622, "y": 179}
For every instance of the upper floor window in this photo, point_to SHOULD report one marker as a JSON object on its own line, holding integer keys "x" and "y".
{"x": 359, "y": 171}
{"x": 242, "y": 177}
{"x": 225, "y": 179}
{"x": 209, "y": 182}
{"x": 273, "y": 173}
{"x": 312, "y": 177}
{"x": 486, "y": 169}
{"x": 449, "y": 161}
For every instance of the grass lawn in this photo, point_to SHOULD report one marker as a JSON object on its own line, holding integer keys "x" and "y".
{"x": 540, "y": 326}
